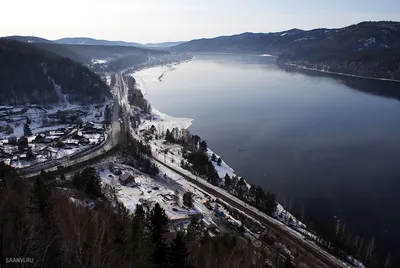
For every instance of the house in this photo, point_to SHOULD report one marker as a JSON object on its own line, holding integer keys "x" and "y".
{"x": 84, "y": 141}
{"x": 23, "y": 144}
{"x": 77, "y": 136}
{"x": 89, "y": 126}
{"x": 12, "y": 140}
{"x": 49, "y": 152}
{"x": 126, "y": 178}
{"x": 6, "y": 161}
{"x": 40, "y": 138}
{"x": 30, "y": 156}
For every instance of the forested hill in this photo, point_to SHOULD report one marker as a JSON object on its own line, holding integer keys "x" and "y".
{"x": 32, "y": 75}
{"x": 367, "y": 48}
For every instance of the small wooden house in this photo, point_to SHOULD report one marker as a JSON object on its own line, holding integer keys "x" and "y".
{"x": 126, "y": 178}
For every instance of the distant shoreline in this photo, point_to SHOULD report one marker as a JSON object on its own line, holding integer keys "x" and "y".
{"x": 342, "y": 74}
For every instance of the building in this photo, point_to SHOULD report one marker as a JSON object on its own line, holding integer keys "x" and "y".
{"x": 23, "y": 144}
{"x": 126, "y": 178}
{"x": 40, "y": 138}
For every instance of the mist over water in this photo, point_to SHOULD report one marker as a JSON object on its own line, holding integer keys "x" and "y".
{"x": 311, "y": 139}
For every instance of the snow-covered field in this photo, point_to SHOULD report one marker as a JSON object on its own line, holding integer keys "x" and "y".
{"x": 163, "y": 121}
{"x": 148, "y": 190}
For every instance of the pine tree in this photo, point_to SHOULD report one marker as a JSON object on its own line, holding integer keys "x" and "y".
{"x": 241, "y": 188}
{"x": 194, "y": 229}
{"x": 28, "y": 121}
{"x": 90, "y": 181}
{"x": 120, "y": 232}
{"x": 203, "y": 147}
{"x": 228, "y": 182}
{"x": 43, "y": 203}
{"x": 168, "y": 135}
{"x": 93, "y": 186}
{"x": 179, "y": 252}
{"x": 158, "y": 226}
{"x": 219, "y": 161}
{"x": 139, "y": 245}
{"x": 27, "y": 130}
{"x": 213, "y": 157}
{"x": 188, "y": 199}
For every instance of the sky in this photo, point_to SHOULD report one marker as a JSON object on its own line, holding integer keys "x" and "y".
{"x": 181, "y": 20}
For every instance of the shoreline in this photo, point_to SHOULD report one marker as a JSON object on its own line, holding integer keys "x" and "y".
{"x": 164, "y": 121}
{"x": 159, "y": 119}
{"x": 341, "y": 74}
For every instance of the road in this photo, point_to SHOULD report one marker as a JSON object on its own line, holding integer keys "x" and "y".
{"x": 283, "y": 231}
{"x": 115, "y": 135}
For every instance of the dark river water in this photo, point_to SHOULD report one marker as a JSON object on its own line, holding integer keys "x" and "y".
{"x": 323, "y": 143}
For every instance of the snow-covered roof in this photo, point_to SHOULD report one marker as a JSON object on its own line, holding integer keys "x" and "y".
{"x": 125, "y": 176}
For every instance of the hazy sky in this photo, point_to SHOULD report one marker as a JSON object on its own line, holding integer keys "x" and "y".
{"x": 175, "y": 20}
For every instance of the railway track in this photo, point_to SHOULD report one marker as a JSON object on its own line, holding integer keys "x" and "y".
{"x": 322, "y": 258}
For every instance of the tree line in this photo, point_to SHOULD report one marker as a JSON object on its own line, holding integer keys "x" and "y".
{"x": 41, "y": 223}
{"x": 198, "y": 161}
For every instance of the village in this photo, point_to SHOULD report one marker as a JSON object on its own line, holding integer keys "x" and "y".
{"x": 31, "y": 135}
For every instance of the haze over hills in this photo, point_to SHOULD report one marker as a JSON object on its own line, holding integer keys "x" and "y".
{"x": 94, "y": 42}
{"x": 164, "y": 44}
{"x": 100, "y": 42}
{"x": 91, "y": 42}
{"x": 91, "y": 52}
{"x": 33, "y": 75}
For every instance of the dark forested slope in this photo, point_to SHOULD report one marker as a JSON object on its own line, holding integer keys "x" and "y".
{"x": 30, "y": 74}
{"x": 51, "y": 229}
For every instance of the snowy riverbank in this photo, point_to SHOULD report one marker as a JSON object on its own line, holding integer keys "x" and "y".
{"x": 162, "y": 122}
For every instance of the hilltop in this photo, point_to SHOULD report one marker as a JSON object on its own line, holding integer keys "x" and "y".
{"x": 37, "y": 76}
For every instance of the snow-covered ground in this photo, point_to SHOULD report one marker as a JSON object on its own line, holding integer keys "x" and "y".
{"x": 99, "y": 61}
{"x": 38, "y": 117}
{"x": 40, "y": 121}
{"x": 163, "y": 121}
{"x": 148, "y": 191}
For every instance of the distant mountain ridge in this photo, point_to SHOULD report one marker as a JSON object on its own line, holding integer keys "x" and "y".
{"x": 369, "y": 48}
{"x": 28, "y": 39}
{"x": 34, "y": 75}
{"x": 94, "y": 42}
{"x": 91, "y": 42}
{"x": 163, "y": 44}
{"x": 356, "y": 37}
